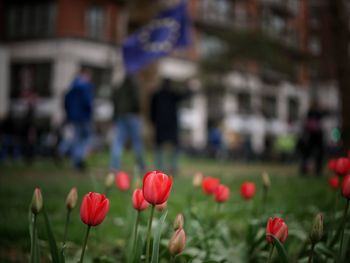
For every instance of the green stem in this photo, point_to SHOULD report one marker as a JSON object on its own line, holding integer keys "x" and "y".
{"x": 343, "y": 228}
{"x": 84, "y": 244}
{"x": 149, "y": 235}
{"x": 270, "y": 254}
{"x": 135, "y": 230}
{"x": 218, "y": 208}
{"x": 66, "y": 227}
{"x": 264, "y": 198}
{"x": 172, "y": 259}
{"x": 33, "y": 248}
{"x": 311, "y": 252}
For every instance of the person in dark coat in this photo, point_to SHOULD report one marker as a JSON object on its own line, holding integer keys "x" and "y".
{"x": 164, "y": 116}
{"x": 78, "y": 105}
{"x": 311, "y": 143}
{"x": 126, "y": 102}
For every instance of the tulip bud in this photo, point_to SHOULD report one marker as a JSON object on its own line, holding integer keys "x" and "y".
{"x": 109, "y": 180}
{"x": 317, "y": 229}
{"x": 179, "y": 221}
{"x": 197, "y": 179}
{"x": 177, "y": 242}
{"x": 161, "y": 207}
{"x": 266, "y": 180}
{"x": 37, "y": 201}
{"x": 72, "y": 198}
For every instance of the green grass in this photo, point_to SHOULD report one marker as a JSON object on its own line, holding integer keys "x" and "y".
{"x": 296, "y": 199}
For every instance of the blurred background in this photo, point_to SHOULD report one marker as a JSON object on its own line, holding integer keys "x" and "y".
{"x": 259, "y": 66}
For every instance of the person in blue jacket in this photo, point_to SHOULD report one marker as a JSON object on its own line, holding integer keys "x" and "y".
{"x": 78, "y": 105}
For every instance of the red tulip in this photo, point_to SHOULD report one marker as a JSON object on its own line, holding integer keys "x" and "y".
{"x": 222, "y": 193}
{"x": 210, "y": 184}
{"x": 342, "y": 166}
{"x": 138, "y": 201}
{"x": 248, "y": 190}
{"x": 278, "y": 228}
{"x": 345, "y": 187}
{"x": 94, "y": 208}
{"x": 332, "y": 163}
{"x": 122, "y": 181}
{"x": 156, "y": 187}
{"x": 333, "y": 182}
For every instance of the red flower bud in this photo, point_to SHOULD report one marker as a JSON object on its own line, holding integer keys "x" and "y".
{"x": 37, "y": 201}
{"x": 156, "y": 187}
{"x": 345, "y": 187}
{"x": 122, "y": 181}
{"x": 248, "y": 190}
{"x": 278, "y": 228}
{"x": 94, "y": 208}
{"x": 342, "y": 166}
{"x": 333, "y": 182}
{"x": 332, "y": 163}
{"x": 177, "y": 242}
{"x": 72, "y": 198}
{"x": 210, "y": 184}
{"x": 138, "y": 201}
{"x": 222, "y": 193}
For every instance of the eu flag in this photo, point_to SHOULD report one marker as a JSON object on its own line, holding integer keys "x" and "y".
{"x": 170, "y": 29}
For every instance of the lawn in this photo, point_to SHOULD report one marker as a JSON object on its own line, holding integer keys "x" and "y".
{"x": 297, "y": 199}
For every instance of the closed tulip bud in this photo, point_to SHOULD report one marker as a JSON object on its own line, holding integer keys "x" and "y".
{"x": 177, "y": 242}
{"x": 122, "y": 181}
{"x": 278, "y": 228}
{"x": 156, "y": 187}
{"x": 37, "y": 201}
{"x": 317, "y": 229}
{"x": 210, "y": 184}
{"x": 345, "y": 187}
{"x": 94, "y": 208}
{"x": 72, "y": 198}
{"x": 109, "y": 180}
{"x": 161, "y": 207}
{"x": 179, "y": 221}
{"x": 266, "y": 180}
{"x": 197, "y": 179}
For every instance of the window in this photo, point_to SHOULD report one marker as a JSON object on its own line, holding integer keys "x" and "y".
{"x": 315, "y": 45}
{"x": 101, "y": 78}
{"x": 244, "y": 102}
{"x": 95, "y": 22}
{"x": 31, "y": 77}
{"x": 269, "y": 107}
{"x": 293, "y": 109}
{"x": 216, "y": 10}
{"x": 30, "y": 20}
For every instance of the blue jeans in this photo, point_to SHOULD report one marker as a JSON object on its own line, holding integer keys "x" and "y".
{"x": 81, "y": 142}
{"x": 127, "y": 126}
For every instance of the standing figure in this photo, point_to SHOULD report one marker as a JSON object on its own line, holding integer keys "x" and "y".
{"x": 311, "y": 142}
{"x": 78, "y": 105}
{"x": 126, "y": 102}
{"x": 164, "y": 116}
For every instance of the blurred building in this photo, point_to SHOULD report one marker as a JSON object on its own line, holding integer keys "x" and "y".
{"x": 44, "y": 43}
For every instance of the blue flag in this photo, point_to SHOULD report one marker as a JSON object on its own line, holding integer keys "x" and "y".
{"x": 169, "y": 30}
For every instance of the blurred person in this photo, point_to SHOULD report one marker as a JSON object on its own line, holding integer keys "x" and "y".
{"x": 215, "y": 141}
{"x": 126, "y": 102}
{"x": 311, "y": 143}
{"x": 164, "y": 116}
{"x": 78, "y": 105}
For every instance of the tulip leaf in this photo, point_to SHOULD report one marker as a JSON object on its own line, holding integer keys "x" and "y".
{"x": 280, "y": 250}
{"x": 52, "y": 242}
{"x": 156, "y": 239}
